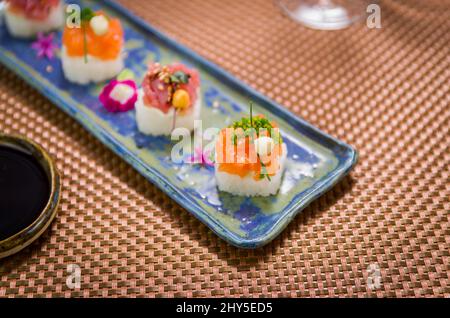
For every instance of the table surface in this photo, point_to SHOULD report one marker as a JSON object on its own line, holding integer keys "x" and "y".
{"x": 385, "y": 91}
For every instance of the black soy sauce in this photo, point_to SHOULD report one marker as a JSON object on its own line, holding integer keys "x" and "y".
{"x": 24, "y": 190}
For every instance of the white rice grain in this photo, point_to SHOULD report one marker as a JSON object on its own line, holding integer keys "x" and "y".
{"x": 95, "y": 70}
{"x": 152, "y": 121}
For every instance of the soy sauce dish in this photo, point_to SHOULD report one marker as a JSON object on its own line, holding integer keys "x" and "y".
{"x": 29, "y": 192}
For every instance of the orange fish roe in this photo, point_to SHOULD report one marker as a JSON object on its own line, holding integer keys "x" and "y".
{"x": 104, "y": 47}
{"x": 240, "y": 158}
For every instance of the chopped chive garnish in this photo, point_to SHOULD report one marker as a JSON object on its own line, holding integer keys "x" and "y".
{"x": 263, "y": 170}
{"x": 86, "y": 15}
{"x": 251, "y": 114}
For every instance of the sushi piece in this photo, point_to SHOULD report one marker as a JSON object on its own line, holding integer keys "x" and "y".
{"x": 169, "y": 98}
{"x": 27, "y": 18}
{"x": 250, "y": 157}
{"x": 93, "y": 51}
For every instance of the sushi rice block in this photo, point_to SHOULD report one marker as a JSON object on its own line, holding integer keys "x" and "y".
{"x": 27, "y": 18}
{"x": 94, "y": 51}
{"x": 250, "y": 158}
{"x": 169, "y": 98}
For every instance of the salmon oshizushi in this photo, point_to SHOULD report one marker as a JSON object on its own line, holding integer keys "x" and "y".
{"x": 27, "y": 18}
{"x": 93, "y": 52}
{"x": 250, "y": 157}
{"x": 169, "y": 98}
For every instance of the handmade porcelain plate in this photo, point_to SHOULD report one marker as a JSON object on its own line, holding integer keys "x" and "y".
{"x": 316, "y": 161}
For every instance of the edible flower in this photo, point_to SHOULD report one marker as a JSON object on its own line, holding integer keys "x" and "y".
{"x": 44, "y": 46}
{"x": 202, "y": 157}
{"x": 119, "y": 96}
{"x": 86, "y": 15}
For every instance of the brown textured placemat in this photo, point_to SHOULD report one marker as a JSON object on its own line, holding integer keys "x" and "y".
{"x": 387, "y": 92}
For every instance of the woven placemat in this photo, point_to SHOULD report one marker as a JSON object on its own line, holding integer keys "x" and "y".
{"x": 382, "y": 231}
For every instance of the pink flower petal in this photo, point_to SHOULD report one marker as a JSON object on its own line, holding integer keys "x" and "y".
{"x": 200, "y": 157}
{"x": 206, "y": 159}
{"x": 113, "y": 105}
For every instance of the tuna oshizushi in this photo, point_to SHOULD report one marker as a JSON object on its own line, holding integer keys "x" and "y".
{"x": 169, "y": 98}
{"x": 93, "y": 52}
{"x": 26, "y": 18}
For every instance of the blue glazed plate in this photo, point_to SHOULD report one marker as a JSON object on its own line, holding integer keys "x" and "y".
{"x": 316, "y": 161}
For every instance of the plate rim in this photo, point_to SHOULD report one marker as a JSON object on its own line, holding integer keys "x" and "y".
{"x": 152, "y": 175}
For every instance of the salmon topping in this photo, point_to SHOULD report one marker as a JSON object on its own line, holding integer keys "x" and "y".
{"x": 104, "y": 47}
{"x": 236, "y": 153}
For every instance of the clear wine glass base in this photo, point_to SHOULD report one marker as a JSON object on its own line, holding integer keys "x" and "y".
{"x": 323, "y": 15}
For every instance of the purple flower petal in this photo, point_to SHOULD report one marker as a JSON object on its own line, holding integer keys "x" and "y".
{"x": 206, "y": 160}
{"x": 44, "y": 46}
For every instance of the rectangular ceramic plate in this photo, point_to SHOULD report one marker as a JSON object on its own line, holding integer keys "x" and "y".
{"x": 316, "y": 161}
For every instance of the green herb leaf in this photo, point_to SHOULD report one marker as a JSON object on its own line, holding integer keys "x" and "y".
{"x": 258, "y": 124}
{"x": 212, "y": 155}
{"x": 263, "y": 170}
{"x": 126, "y": 74}
{"x": 179, "y": 77}
{"x": 87, "y": 14}
{"x": 234, "y": 139}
